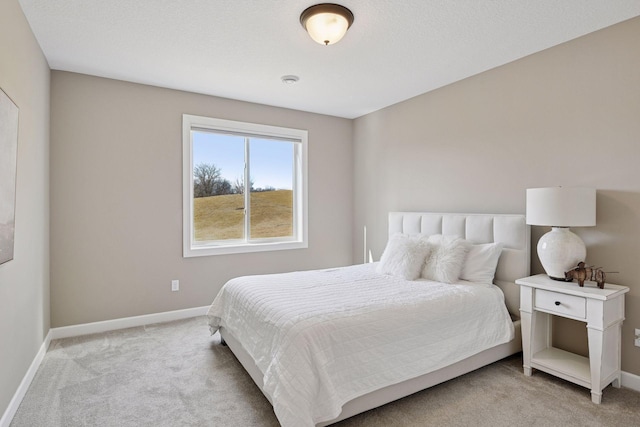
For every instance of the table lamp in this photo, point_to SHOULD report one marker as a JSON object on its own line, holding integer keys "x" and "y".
{"x": 560, "y": 250}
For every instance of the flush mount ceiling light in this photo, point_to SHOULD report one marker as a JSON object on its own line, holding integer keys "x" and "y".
{"x": 326, "y": 23}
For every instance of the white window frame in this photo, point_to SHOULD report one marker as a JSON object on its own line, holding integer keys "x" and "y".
{"x": 300, "y": 204}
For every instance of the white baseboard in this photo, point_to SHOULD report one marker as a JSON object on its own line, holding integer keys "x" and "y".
{"x": 85, "y": 329}
{"x": 125, "y": 322}
{"x": 631, "y": 381}
{"x": 25, "y": 383}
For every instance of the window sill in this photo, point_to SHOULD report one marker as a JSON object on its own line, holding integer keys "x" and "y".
{"x": 207, "y": 250}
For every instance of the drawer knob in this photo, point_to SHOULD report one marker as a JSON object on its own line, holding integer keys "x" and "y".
{"x": 557, "y": 302}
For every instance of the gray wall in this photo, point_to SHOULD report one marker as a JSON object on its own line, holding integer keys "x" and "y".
{"x": 569, "y": 116}
{"x": 116, "y": 199}
{"x": 24, "y": 281}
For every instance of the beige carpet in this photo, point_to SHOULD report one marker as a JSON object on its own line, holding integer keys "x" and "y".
{"x": 175, "y": 374}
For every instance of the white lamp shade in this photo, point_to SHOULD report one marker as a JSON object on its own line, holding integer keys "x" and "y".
{"x": 561, "y": 206}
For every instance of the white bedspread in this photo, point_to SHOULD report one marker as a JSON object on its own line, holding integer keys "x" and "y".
{"x": 322, "y": 338}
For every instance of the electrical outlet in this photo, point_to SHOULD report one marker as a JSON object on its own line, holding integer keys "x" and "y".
{"x": 175, "y": 285}
{"x": 637, "y": 341}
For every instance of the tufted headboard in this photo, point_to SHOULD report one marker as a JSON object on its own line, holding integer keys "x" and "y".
{"x": 511, "y": 230}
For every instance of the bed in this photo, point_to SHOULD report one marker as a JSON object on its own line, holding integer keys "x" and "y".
{"x": 318, "y": 365}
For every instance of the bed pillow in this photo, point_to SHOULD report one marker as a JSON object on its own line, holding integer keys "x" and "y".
{"x": 403, "y": 256}
{"x": 446, "y": 257}
{"x": 480, "y": 265}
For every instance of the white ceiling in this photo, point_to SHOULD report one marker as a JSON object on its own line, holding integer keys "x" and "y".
{"x": 239, "y": 49}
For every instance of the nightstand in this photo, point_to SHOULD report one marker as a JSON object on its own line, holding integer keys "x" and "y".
{"x": 601, "y": 309}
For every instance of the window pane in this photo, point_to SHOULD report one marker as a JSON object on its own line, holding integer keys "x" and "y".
{"x": 218, "y": 176}
{"x": 271, "y": 164}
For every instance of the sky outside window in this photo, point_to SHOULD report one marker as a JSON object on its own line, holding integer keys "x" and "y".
{"x": 271, "y": 160}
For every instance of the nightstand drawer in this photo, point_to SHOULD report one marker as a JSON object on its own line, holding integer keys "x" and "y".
{"x": 562, "y": 304}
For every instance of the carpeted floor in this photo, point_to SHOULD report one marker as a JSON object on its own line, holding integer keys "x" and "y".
{"x": 175, "y": 374}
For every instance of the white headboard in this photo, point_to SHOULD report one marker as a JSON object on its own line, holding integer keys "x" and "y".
{"x": 511, "y": 230}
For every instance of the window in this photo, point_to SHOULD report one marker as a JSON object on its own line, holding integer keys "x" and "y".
{"x": 244, "y": 187}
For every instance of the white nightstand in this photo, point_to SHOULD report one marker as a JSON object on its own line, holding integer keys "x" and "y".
{"x": 601, "y": 309}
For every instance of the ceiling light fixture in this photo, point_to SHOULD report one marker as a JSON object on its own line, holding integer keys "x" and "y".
{"x": 326, "y": 23}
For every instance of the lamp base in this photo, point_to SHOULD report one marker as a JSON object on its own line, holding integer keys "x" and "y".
{"x": 559, "y": 251}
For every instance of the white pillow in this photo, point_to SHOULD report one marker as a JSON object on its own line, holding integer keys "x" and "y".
{"x": 403, "y": 256}
{"x": 447, "y": 254}
{"x": 480, "y": 265}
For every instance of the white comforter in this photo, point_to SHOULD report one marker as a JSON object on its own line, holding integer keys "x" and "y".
{"x": 322, "y": 338}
